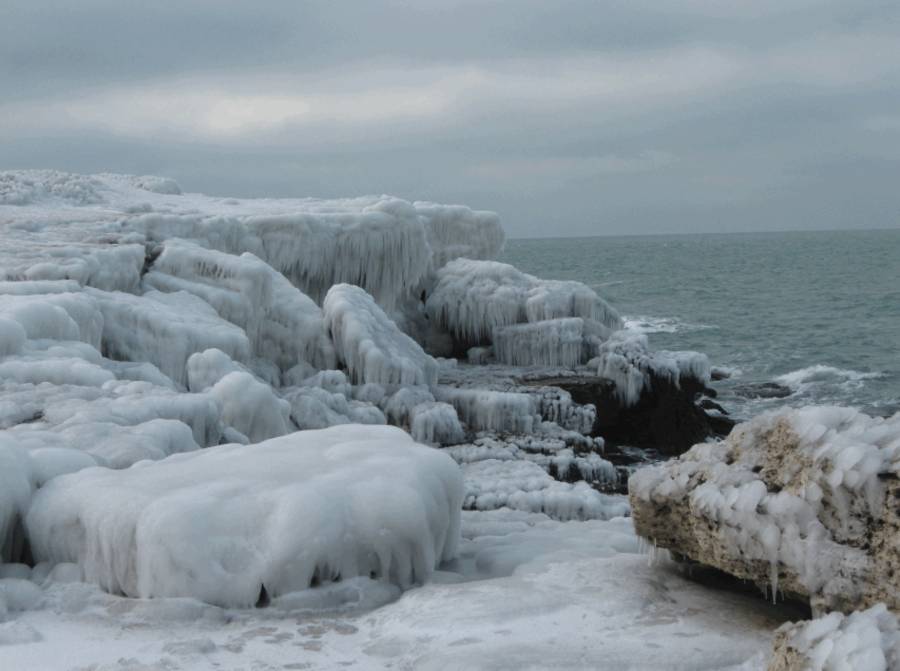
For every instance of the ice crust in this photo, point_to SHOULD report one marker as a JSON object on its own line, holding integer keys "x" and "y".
{"x": 221, "y": 524}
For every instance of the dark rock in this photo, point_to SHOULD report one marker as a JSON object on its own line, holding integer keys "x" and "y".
{"x": 763, "y": 390}
{"x": 666, "y": 418}
{"x": 709, "y": 404}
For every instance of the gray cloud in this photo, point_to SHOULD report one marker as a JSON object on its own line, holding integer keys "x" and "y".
{"x": 572, "y": 117}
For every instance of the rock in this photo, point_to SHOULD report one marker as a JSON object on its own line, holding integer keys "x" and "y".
{"x": 801, "y": 502}
{"x": 763, "y": 390}
{"x": 868, "y": 639}
{"x": 666, "y": 418}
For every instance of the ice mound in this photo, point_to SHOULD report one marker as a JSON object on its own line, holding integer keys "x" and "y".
{"x": 472, "y": 298}
{"x": 230, "y": 524}
{"x": 374, "y": 349}
{"x": 868, "y": 639}
{"x": 796, "y": 500}
{"x": 626, "y": 359}
{"x": 283, "y": 324}
{"x": 488, "y": 410}
{"x": 166, "y": 329}
{"x": 456, "y": 231}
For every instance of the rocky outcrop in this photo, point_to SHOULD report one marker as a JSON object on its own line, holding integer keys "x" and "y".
{"x": 868, "y": 639}
{"x": 667, "y": 417}
{"x": 801, "y": 502}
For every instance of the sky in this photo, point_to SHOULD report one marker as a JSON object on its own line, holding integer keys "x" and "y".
{"x": 570, "y": 117}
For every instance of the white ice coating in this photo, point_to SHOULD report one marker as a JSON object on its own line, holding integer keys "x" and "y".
{"x": 829, "y": 488}
{"x": 868, "y": 639}
{"x": 456, "y": 231}
{"x": 283, "y": 324}
{"x": 524, "y": 485}
{"x": 370, "y": 344}
{"x": 251, "y": 407}
{"x": 435, "y": 424}
{"x": 551, "y": 342}
{"x": 626, "y": 359}
{"x": 317, "y": 408}
{"x": 220, "y": 525}
{"x": 165, "y": 329}
{"x": 472, "y": 298}
{"x": 485, "y": 410}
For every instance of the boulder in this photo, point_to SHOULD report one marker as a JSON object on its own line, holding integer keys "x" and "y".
{"x": 801, "y": 502}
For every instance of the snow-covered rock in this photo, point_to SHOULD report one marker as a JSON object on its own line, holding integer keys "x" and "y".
{"x": 551, "y": 342}
{"x": 456, "y": 231}
{"x": 235, "y": 523}
{"x": 868, "y": 639}
{"x": 802, "y": 501}
{"x": 370, "y": 344}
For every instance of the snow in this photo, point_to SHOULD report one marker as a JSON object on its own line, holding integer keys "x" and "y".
{"x": 370, "y": 344}
{"x": 220, "y": 525}
{"x": 472, "y": 298}
{"x": 868, "y": 639}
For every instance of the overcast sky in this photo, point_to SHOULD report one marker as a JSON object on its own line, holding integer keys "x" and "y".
{"x": 567, "y": 117}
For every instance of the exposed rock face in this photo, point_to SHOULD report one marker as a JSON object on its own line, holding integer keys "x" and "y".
{"x": 868, "y": 639}
{"x": 799, "y": 501}
{"x": 666, "y": 418}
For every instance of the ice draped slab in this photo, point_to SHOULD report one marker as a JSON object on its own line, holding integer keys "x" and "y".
{"x": 92, "y": 228}
{"x": 166, "y": 329}
{"x": 456, "y": 231}
{"x": 373, "y": 348}
{"x": 471, "y": 299}
{"x": 223, "y": 524}
{"x": 283, "y": 324}
{"x": 802, "y": 501}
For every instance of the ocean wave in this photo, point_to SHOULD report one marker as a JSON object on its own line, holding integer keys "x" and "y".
{"x": 643, "y": 324}
{"x": 820, "y": 373}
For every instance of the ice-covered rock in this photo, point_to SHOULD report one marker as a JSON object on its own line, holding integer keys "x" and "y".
{"x": 234, "y": 523}
{"x": 283, "y": 324}
{"x": 801, "y": 501}
{"x": 868, "y": 639}
{"x": 551, "y": 342}
{"x": 370, "y": 344}
{"x": 165, "y": 329}
{"x": 487, "y": 410}
{"x": 435, "y": 424}
{"x": 626, "y": 359}
{"x": 471, "y": 299}
{"x": 524, "y": 485}
{"x": 456, "y": 231}
{"x": 251, "y": 407}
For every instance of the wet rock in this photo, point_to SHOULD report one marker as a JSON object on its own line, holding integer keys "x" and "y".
{"x": 763, "y": 390}
{"x": 666, "y": 418}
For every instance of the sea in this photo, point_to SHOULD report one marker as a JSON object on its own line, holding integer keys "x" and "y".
{"x": 812, "y": 316}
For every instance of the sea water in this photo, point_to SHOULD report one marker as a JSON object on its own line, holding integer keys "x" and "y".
{"x": 815, "y": 312}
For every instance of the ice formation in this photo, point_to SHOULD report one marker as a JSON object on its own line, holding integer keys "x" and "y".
{"x": 552, "y": 342}
{"x": 284, "y": 325}
{"x": 486, "y": 410}
{"x": 797, "y": 500}
{"x": 626, "y": 359}
{"x": 455, "y": 231}
{"x": 251, "y": 407}
{"x": 370, "y": 344}
{"x": 229, "y": 524}
{"x": 435, "y": 424}
{"x": 868, "y": 639}
{"x": 472, "y": 298}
